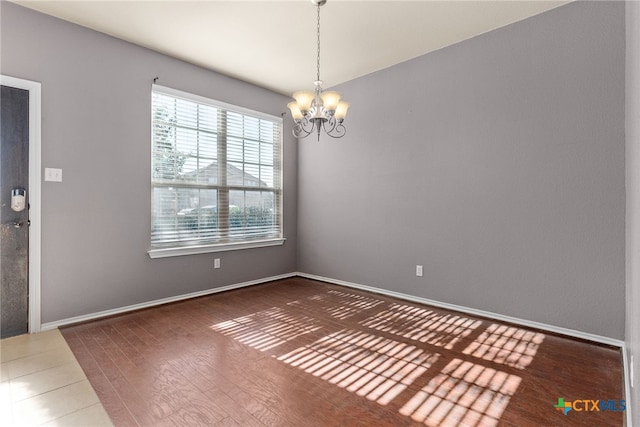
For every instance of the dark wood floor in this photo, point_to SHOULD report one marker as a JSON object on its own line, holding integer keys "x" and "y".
{"x": 298, "y": 352}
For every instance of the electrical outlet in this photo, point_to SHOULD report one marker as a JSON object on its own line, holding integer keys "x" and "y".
{"x": 419, "y": 270}
{"x": 216, "y": 263}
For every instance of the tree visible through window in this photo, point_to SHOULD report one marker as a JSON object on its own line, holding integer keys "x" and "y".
{"x": 216, "y": 172}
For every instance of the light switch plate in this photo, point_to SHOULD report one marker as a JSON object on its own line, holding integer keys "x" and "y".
{"x": 53, "y": 175}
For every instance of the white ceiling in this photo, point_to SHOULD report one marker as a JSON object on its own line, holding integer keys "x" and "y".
{"x": 273, "y": 43}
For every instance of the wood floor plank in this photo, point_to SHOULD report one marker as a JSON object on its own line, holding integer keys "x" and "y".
{"x": 301, "y": 352}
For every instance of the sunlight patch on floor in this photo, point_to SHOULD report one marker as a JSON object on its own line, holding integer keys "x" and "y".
{"x": 506, "y": 345}
{"x": 338, "y": 304}
{"x": 423, "y": 325}
{"x": 267, "y": 329}
{"x": 464, "y": 393}
{"x": 367, "y": 365}
{"x": 384, "y": 361}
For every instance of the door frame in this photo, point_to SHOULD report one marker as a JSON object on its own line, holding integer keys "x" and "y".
{"x": 35, "y": 192}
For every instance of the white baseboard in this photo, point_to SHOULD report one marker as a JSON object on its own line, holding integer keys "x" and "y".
{"x": 106, "y": 313}
{"x": 627, "y": 386}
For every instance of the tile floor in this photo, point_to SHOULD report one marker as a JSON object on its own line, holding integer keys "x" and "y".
{"x": 43, "y": 384}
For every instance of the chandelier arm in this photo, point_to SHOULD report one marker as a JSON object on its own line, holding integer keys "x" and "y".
{"x": 303, "y": 128}
{"x": 334, "y": 128}
{"x": 300, "y": 132}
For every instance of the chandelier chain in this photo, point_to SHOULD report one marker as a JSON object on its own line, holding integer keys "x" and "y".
{"x": 318, "y": 57}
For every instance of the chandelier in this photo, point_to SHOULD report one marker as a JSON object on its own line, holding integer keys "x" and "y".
{"x": 318, "y": 109}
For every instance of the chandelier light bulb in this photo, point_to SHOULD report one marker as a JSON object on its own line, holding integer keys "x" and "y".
{"x": 330, "y": 100}
{"x": 304, "y": 99}
{"x": 295, "y": 110}
{"x": 341, "y": 110}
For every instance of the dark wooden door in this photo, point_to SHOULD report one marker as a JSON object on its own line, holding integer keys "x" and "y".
{"x": 14, "y": 243}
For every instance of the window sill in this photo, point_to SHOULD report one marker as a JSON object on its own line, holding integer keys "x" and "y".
{"x": 203, "y": 249}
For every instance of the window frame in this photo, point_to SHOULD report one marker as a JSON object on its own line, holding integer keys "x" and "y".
{"x": 199, "y": 246}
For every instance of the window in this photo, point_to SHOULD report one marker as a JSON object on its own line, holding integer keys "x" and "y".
{"x": 215, "y": 176}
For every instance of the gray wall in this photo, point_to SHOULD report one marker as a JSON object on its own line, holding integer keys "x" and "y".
{"x": 499, "y": 167}
{"x": 496, "y": 163}
{"x": 633, "y": 198}
{"x": 96, "y": 127}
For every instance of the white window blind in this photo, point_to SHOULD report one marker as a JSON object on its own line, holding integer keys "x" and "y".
{"x": 216, "y": 172}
